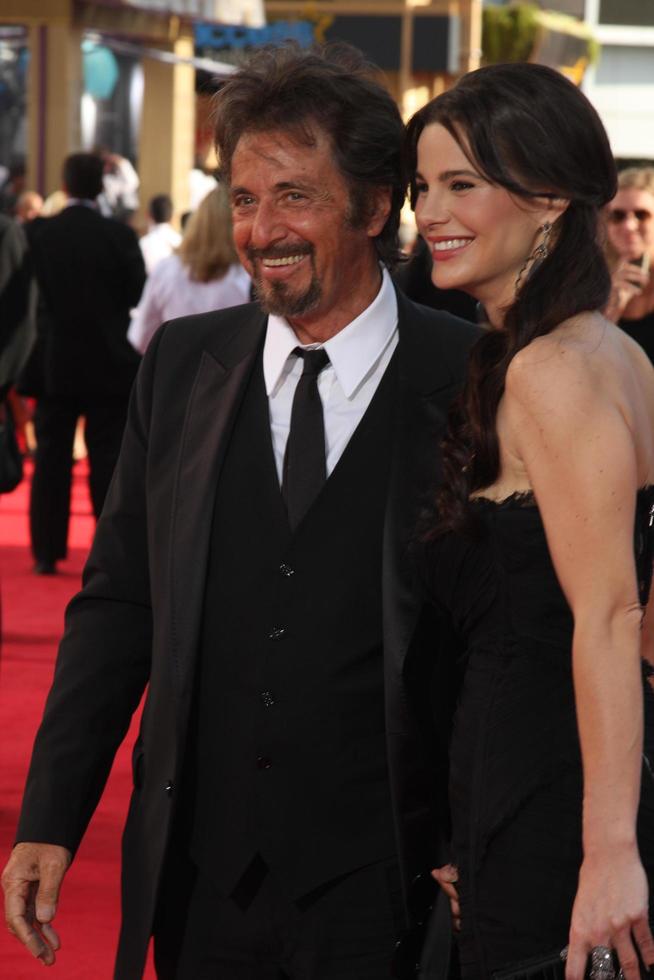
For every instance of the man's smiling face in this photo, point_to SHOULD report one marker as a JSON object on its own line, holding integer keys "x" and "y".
{"x": 293, "y": 230}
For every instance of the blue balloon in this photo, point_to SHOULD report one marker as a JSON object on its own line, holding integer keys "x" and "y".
{"x": 100, "y": 70}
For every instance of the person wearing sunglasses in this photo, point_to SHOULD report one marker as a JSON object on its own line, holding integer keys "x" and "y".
{"x": 630, "y": 234}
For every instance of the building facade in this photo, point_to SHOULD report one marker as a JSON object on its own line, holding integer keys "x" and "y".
{"x": 621, "y": 85}
{"x": 125, "y": 74}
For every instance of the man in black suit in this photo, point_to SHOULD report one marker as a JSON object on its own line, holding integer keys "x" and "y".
{"x": 90, "y": 273}
{"x": 251, "y": 565}
{"x": 17, "y": 303}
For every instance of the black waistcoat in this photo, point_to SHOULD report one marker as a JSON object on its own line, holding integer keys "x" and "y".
{"x": 290, "y": 755}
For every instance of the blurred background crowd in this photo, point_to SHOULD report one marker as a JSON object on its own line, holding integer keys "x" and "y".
{"x": 112, "y": 219}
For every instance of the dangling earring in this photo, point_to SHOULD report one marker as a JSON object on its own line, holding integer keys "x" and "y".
{"x": 539, "y": 253}
{"x": 542, "y": 250}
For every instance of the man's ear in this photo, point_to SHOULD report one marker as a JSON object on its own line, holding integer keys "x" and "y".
{"x": 379, "y": 210}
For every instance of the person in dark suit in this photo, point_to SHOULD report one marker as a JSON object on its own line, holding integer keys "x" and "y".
{"x": 17, "y": 335}
{"x": 252, "y": 567}
{"x": 90, "y": 273}
{"x": 17, "y": 303}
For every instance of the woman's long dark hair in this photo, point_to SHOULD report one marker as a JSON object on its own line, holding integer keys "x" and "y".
{"x": 527, "y": 129}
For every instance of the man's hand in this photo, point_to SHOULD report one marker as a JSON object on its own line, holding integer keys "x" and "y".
{"x": 31, "y": 883}
{"x": 627, "y": 282}
{"x": 447, "y": 876}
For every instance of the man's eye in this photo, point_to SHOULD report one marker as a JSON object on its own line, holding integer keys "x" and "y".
{"x": 242, "y": 201}
{"x": 295, "y": 196}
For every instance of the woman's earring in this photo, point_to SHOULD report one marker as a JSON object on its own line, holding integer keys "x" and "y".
{"x": 541, "y": 252}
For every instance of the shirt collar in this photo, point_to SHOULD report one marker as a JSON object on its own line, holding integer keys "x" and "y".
{"x": 353, "y": 351}
{"x": 85, "y": 202}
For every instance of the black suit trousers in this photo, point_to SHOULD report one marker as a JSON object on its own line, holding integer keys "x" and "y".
{"x": 345, "y": 930}
{"x": 54, "y": 424}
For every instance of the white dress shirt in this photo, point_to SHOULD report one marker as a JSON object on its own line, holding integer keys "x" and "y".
{"x": 158, "y": 243}
{"x": 358, "y": 356}
{"x": 170, "y": 292}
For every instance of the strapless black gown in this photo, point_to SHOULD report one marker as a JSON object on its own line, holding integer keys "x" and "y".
{"x": 515, "y": 767}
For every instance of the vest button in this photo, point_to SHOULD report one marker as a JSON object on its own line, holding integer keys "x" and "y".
{"x": 267, "y": 698}
{"x": 286, "y": 570}
{"x": 169, "y": 787}
{"x": 263, "y": 762}
{"x": 276, "y": 633}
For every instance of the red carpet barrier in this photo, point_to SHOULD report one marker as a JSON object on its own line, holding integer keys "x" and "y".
{"x": 32, "y": 620}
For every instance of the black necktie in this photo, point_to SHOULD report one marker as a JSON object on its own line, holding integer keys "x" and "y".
{"x": 305, "y": 469}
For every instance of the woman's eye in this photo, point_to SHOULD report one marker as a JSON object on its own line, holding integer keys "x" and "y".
{"x": 421, "y": 187}
{"x": 461, "y": 185}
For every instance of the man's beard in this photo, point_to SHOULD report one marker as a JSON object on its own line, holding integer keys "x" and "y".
{"x": 279, "y": 298}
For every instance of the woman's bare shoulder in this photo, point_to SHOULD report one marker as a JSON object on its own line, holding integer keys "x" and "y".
{"x": 566, "y": 366}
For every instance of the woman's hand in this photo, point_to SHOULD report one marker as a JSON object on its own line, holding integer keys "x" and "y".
{"x": 446, "y": 877}
{"x": 627, "y": 282}
{"x": 611, "y": 909}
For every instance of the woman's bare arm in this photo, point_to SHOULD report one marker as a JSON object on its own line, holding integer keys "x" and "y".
{"x": 572, "y": 435}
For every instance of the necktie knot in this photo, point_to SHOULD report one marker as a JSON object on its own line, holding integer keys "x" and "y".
{"x": 314, "y": 360}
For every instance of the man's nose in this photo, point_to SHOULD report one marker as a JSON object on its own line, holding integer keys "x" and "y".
{"x": 267, "y": 229}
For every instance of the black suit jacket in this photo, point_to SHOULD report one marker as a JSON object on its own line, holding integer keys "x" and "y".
{"x": 17, "y": 303}
{"x": 138, "y": 617}
{"x": 90, "y": 274}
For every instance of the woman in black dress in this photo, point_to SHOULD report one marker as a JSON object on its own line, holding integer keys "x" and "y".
{"x": 541, "y": 544}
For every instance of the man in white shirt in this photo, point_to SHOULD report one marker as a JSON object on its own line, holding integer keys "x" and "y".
{"x": 251, "y": 567}
{"x": 119, "y": 197}
{"x": 161, "y": 239}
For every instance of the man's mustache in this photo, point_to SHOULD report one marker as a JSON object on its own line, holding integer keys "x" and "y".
{"x": 278, "y": 251}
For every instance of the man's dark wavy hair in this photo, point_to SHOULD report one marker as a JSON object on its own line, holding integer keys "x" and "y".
{"x": 333, "y": 88}
{"x": 527, "y": 129}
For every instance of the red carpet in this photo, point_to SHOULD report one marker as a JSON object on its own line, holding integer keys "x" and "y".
{"x": 32, "y": 612}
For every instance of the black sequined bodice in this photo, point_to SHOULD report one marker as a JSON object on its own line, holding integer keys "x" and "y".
{"x": 509, "y": 560}
{"x": 515, "y": 726}
{"x": 644, "y": 541}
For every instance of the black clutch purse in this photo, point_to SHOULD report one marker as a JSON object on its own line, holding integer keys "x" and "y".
{"x": 549, "y": 967}
{"x": 11, "y": 461}
{"x": 552, "y": 967}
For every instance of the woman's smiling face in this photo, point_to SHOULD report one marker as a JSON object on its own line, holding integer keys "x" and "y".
{"x": 479, "y": 234}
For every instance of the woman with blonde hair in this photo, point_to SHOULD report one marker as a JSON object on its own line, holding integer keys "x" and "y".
{"x": 630, "y": 232}
{"x": 204, "y": 274}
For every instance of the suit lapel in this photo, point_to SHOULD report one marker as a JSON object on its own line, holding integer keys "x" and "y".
{"x": 219, "y": 384}
{"x": 427, "y": 385}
